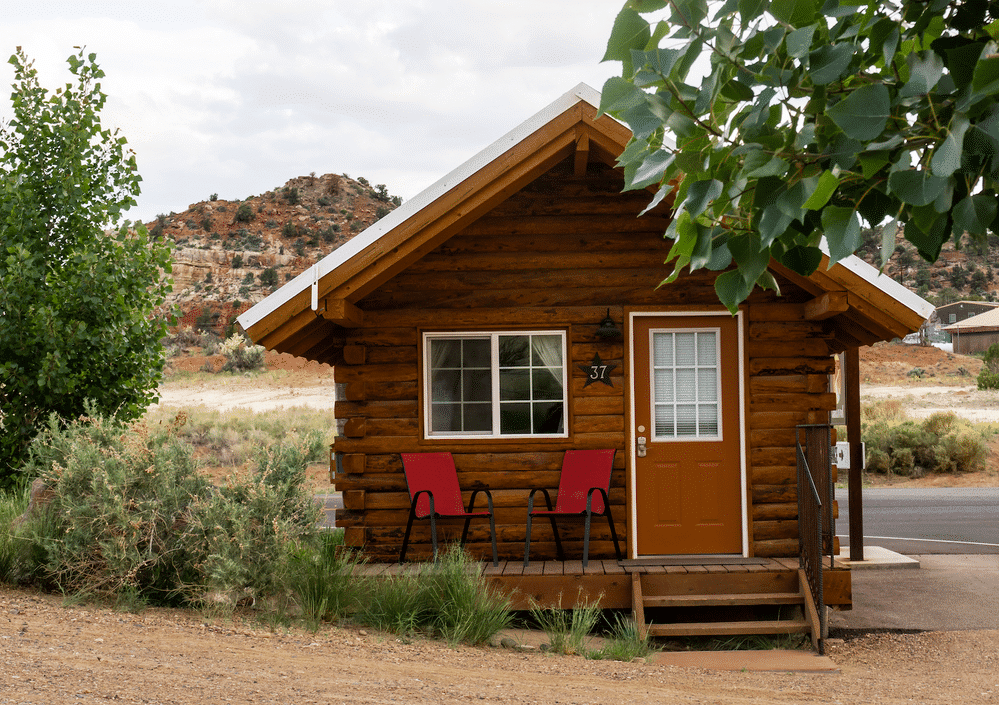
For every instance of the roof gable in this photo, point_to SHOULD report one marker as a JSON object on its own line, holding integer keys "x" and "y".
{"x": 322, "y": 299}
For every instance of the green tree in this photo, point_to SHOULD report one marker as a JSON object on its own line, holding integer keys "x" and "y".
{"x": 814, "y": 117}
{"x": 77, "y": 303}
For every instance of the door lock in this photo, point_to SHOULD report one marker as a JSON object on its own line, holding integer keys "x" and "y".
{"x": 641, "y": 447}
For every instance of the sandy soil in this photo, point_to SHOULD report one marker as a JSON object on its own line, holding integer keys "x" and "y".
{"x": 50, "y": 653}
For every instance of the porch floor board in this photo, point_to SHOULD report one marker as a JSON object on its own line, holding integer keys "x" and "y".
{"x": 609, "y": 583}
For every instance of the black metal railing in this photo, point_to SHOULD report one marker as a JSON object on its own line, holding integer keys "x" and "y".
{"x": 816, "y": 529}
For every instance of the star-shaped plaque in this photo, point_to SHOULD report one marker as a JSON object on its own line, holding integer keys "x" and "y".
{"x": 597, "y": 371}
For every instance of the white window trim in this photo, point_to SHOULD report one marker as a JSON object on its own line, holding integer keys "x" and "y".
{"x": 652, "y": 376}
{"x": 494, "y": 336}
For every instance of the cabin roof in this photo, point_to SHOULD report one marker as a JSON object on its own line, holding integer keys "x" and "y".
{"x": 987, "y": 321}
{"x": 569, "y": 125}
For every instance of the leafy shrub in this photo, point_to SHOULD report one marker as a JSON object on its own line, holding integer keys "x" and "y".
{"x": 213, "y": 197}
{"x": 240, "y": 355}
{"x": 988, "y": 378}
{"x": 245, "y": 214}
{"x": 237, "y": 261}
{"x": 291, "y": 196}
{"x": 132, "y": 521}
{"x": 269, "y": 277}
{"x": 248, "y": 279}
{"x": 943, "y": 442}
{"x": 289, "y": 230}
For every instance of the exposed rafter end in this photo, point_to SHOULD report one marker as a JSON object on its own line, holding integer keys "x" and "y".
{"x": 582, "y": 157}
{"x": 341, "y": 312}
{"x": 826, "y": 306}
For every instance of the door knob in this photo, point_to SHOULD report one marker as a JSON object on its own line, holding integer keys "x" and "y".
{"x": 641, "y": 446}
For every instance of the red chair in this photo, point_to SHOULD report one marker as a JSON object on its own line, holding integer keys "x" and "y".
{"x": 582, "y": 492}
{"x": 433, "y": 488}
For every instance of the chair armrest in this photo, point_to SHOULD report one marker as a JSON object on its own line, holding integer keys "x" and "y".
{"x": 589, "y": 499}
{"x": 530, "y": 499}
{"x": 489, "y": 500}
{"x": 416, "y": 497}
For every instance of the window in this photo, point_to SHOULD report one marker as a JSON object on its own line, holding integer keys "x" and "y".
{"x": 952, "y": 318}
{"x": 495, "y": 384}
{"x": 686, "y": 379}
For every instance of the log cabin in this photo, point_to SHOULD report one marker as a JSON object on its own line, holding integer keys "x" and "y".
{"x": 513, "y": 311}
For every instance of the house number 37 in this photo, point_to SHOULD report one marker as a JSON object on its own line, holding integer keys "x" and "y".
{"x": 597, "y": 371}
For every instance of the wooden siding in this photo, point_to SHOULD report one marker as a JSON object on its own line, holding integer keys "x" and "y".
{"x": 557, "y": 255}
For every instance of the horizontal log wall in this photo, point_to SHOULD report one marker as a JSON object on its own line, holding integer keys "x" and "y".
{"x": 557, "y": 255}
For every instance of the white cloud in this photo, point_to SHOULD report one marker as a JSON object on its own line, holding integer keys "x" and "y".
{"x": 237, "y": 97}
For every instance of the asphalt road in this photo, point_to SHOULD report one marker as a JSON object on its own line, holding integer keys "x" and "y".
{"x": 927, "y": 521}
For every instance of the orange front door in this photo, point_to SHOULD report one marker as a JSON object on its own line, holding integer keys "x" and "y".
{"x": 688, "y": 435}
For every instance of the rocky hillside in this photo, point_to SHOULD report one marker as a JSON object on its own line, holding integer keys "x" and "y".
{"x": 965, "y": 272}
{"x": 231, "y": 254}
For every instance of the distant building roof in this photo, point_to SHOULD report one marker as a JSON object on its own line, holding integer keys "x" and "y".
{"x": 982, "y": 322}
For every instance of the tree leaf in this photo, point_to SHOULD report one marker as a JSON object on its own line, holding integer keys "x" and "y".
{"x": 799, "y": 42}
{"x": 947, "y": 157}
{"x": 630, "y": 31}
{"x": 925, "y": 69}
{"x": 974, "y": 214}
{"x": 842, "y": 230}
{"x": 650, "y": 171}
{"x": 823, "y": 191}
{"x": 759, "y": 164}
{"x": 915, "y": 187}
{"x": 829, "y": 63}
{"x": 801, "y": 259}
{"x": 863, "y": 114}
{"x": 619, "y": 94}
{"x": 700, "y": 194}
{"x": 797, "y": 13}
{"x": 732, "y": 289}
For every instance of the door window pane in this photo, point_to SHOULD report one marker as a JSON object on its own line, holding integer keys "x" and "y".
{"x": 685, "y": 379}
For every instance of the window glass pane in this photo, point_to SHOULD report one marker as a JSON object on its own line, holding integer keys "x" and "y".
{"x": 514, "y": 350}
{"x": 707, "y": 385}
{"x": 664, "y": 422}
{"x": 686, "y": 420}
{"x": 664, "y": 386}
{"x": 685, "y": 349}
{"x": 478, "y": 417}
{"x": 547, "y": 383}
{"x": 706, "y": 349}
{"x": 515, "y": 418}
{"x": 548, "y": 417}
{"x": 686, "y": 387}
{"x": 445, "y": 417}
{"x": 663, "y": 349}
{"x": 445, "y": 353}
{"x": 515, "y": 385}
{"x": 446, "y": 386}
{"x": 475, "y": 353}
{"x": 477, "y": 385}
{"x": 708, "y": 420}
{"x": 546, "y": 350}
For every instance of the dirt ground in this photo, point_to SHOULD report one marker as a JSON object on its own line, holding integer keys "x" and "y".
{"x": 51, "y": 653}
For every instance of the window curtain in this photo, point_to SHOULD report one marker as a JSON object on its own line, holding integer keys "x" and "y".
{"x": 442, "y": 395}
{"x": 548, "y": 348}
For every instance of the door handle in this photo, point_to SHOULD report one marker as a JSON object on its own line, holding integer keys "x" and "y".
{"x": 641, "y": 447}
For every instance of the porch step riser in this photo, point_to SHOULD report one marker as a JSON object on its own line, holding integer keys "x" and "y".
{"x": 730, "y": 628}
{"x": 781, "y": 598}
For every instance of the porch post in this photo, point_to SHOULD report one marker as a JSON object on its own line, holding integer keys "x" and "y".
{"x": 855, "y": 498}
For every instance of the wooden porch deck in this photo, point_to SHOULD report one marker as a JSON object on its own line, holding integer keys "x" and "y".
{"x": 610, "y": 583}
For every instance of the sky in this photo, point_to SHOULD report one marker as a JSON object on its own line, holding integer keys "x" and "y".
{"x": 235, "y": 98}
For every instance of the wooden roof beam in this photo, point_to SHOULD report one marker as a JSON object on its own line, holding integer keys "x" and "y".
{"x": 582, "y": 156}
{"x": 826, "y": 306}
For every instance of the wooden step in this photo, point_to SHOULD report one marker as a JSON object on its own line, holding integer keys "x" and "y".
{"x": 767, "y": 598}
{"x": 782, "y": 626}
